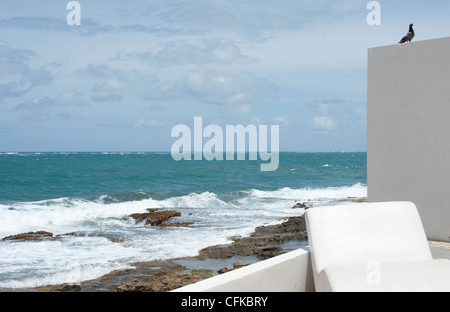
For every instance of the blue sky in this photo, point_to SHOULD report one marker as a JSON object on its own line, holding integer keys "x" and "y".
{"x": 134, "y": 69}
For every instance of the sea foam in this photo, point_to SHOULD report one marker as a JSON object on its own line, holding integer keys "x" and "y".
{"x": 215, "y": 217}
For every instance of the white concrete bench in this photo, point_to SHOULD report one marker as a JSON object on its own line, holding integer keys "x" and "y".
{"x": 373, "y": 247}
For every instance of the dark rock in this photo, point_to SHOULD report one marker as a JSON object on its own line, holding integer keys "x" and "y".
{"x": 262, "y": 243}
{"x": 353, "y": 199}
{"x": 223, "y": 270}
{"x": 110, "y": 237}
{"x": 268, "y": 252}
{"x": 30, "y": 236}
{"x": 159, "y": 283}
{"x": 238, "y": 265}
{"x": 158, "y": 218}
{"x": 71, "y": 288}
{"x": 166, "y": 275}
{"x": 134, "y": 286}
{"x": 300, "y": 205}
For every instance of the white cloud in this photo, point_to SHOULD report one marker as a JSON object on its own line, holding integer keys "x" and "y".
{"x": 63, "y": 99}
{"x": 244, "y": 108}
{"x": 165, "y": 91}
{"x": 227, "y": 88}
{"x": 281, "y": 121}
{"x": 253, "y": 19}
{"x": 148, "y": 123}
{"x": 17, "y": 76}
{"x": 324, "y": 123}
{"x": 107, "y": 98}
{"x": 115, "y": 80}
{"x": 176, "y": 53}
{"x": 212, "y": 87}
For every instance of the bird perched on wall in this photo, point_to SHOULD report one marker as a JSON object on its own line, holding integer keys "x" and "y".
{"x": 409, "y": 36}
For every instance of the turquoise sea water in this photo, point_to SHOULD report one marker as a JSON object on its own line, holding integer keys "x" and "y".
{"x": 94, "y": 193}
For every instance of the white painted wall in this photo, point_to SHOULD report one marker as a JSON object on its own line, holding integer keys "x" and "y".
{"x": 290, "y": 272}
{"x": 408, "y": 129}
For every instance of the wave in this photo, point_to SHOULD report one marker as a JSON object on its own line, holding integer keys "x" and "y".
{"x": 63, "y": 214}
{"x": 216, "y": 217}
{"x": 328, "y": 194}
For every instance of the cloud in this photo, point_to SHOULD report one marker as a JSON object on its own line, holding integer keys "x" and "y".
{"x": 227, "y": 88}
{"x": 88, "y": 26}
{"x": 253, "y": 19}
{"x": 149, "y": 123}
{"x": 195, "y": 17}
{"x": 182, "y": 53}
{"x": 281, "y": 121}
{"x": 212, "y": 87}
{"x": 165, "y": 91}
{"x": 33, "y": 23}
{"x": 115, "y": 80}
{"x": 64, "y": 99}
{"x": 107, "y": 98}
{"x": 17, "y": 76}
{"x": 244, "y": 108}
{"x": 324, "y": 123}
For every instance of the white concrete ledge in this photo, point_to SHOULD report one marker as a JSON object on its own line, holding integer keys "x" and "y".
{"x": 290, "y": 272}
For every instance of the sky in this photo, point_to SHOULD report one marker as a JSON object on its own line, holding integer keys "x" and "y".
{"x": 133, "y": 70}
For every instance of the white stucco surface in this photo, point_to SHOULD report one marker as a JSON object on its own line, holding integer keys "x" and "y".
{"x": 408, "y": 129}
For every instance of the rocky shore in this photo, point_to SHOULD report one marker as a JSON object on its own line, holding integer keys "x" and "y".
{"x": 165, "y": 275}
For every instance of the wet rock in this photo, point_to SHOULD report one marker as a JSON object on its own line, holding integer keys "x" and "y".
{"x": 263, "y": 242}
{"x": 71, "y": 288}
{"x": 111, "y": 237}
{"x": 268, "y": 252}
{"x": 236, "y": 265}
{"x": 223, "y": 270}
{"x": 353, "y": 200}
{"x": 159, "y": 284}
{"x": 156, "y": 217}
{"x": 166, "y": 275}
{"x": 134, "y": 286}
{"x": 30, "y": 236}
{"x": 300, "y": 205}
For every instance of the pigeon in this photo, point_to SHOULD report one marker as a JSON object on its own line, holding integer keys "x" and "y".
{"x": 409, "y": 36}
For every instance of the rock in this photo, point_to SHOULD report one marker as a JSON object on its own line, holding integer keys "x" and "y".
{"x": 262, "y": 243}
{"x": 238, "y": 265}
{"x": 166, "y": 275}
{"x": 268, "y": 252}
{"x": 159, "y": 283}
{"x": 111, "y": 237}
{"x": 158, "y": 218}
{"x": 30, "y": 236}
{"x": 353, "y": 199}
{"x": 300, "y": 205}
{"x": 223, "y": 270}
{"x": 71, "y": 288}
{"x": 134, "y": 286}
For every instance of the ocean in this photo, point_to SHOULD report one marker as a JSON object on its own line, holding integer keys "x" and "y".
{"x": 93, "y": 194}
